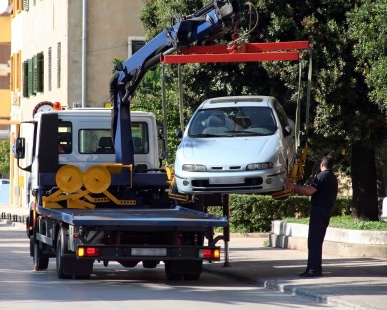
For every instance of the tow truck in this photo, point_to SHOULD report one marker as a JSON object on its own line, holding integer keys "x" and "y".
{"x": 90, "y": 206}
{"x": 94, "y": 196}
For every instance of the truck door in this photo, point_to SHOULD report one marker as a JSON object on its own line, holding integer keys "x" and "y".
{"x": 47, "y": 143}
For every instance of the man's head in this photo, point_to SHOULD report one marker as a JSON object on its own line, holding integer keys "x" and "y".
{"x": 326, "y": 162}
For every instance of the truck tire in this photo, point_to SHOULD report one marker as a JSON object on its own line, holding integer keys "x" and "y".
{"x": 40, "y": 261}
{"x": 188, "y": 269}
{"x": 150, "y": 264}
{"x": 192, "y": 269}
{"x": 170, "y": 273}
{"x": 60, "y": 251}
{"x": 192, "y": 277}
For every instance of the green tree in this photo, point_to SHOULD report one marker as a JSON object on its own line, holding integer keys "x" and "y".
{"x": 4, "y": 157}
{"x": 342, "y": 116}
{"x": 368, "y": 23}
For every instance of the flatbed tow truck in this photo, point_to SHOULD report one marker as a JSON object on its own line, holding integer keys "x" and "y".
{"x": 98, "y": 193}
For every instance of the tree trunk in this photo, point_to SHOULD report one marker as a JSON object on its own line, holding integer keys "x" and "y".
{"x": 364, "y": 185}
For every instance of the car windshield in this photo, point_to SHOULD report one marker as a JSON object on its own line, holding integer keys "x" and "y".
{"x": 233, "y": 121}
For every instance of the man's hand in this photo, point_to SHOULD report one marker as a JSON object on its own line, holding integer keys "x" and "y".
{"x": 290, "y": 186}
{"x": 301, "y": 190}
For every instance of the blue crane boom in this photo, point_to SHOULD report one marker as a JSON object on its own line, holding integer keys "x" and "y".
{"x": 206, "y": 24}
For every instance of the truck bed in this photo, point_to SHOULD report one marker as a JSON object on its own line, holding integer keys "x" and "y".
{"x": 136, "y": 217}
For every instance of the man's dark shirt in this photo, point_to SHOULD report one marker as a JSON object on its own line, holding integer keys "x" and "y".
{"x": 326, "y": 184}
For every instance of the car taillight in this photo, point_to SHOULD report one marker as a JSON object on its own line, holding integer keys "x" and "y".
{"x": 87, "y": 252}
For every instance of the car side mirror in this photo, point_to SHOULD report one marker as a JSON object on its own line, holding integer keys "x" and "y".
{"x": 288, "y": 130}
{"x": 179, "y": 134}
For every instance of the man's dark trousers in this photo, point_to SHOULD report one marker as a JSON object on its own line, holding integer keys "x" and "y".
{"x": 318, "y": 223}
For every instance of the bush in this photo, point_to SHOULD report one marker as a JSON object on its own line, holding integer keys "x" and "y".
{"x": 254, "y": 213}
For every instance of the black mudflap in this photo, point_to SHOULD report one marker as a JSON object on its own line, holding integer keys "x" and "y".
{"x": 76, "y": 267}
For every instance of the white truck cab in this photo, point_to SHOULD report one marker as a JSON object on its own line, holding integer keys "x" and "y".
{"x": 84, "y": 139}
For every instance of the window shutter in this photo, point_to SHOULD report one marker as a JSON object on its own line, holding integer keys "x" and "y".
{"x": 26, "y": 5}
{"x": 25, "y": 78}
{"x": 58, "y": 65}
{"x": 40, "y": 73}
{"x": 49, "y": 67}
{"x": 30, "y": 77}
{"x": 34, "y": 74}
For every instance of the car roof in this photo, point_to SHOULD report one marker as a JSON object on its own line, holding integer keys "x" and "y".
{"x": 232, "y": 101}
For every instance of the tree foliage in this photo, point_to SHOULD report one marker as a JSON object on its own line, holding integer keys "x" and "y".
{"x": 4, "y": 157}
{"x": 344, "y": 121}
{"x": 368, "y": 23}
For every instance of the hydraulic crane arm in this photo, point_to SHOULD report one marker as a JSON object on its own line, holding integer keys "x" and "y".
{"x": 205, "y": 25}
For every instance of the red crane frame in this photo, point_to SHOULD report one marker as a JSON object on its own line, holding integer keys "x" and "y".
{"x": 246, "y": 52}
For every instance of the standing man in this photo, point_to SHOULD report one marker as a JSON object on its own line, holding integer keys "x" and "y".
{"x": 323, "y": 190}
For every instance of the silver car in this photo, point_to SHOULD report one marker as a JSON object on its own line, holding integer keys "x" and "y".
{"x": 241, "y": 144}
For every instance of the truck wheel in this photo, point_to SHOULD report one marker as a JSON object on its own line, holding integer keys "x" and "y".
{"x": 170, "y": 273}
{"x": 149, "y": 264}
{"x": 192, "y": 277}
{"x": 40, "y": 262}
{"x": 187, "y": 269}
{"x": 59, "y": 258}
{"x": 194, "y": 267}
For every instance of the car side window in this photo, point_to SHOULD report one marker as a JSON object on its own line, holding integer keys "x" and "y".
{"x": 281, "y": 115}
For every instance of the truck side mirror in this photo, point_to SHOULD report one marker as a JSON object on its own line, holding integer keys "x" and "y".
{"x": 20, "y": 148}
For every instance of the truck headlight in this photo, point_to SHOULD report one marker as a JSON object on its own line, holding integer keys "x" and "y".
{"x": 194, "y": 168}
{"x": 259, "y": 166}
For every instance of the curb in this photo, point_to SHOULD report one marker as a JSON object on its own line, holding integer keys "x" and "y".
{"x": 287, "y": 289}
{"x": 19, "y": 225}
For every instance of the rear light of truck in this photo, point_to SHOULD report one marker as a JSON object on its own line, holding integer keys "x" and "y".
{"x": 87, "y": 252}
{"x": 209, "y": 253}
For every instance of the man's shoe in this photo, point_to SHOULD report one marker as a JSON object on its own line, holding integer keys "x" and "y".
{"x": 311, "y": 274}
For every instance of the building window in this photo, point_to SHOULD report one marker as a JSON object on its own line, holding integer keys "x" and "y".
{"x": 17, "y": 6}
{"x": 40, "y": 73}
{"x": 49, "y": 68}
{"x": 34, "y": 74}
{"x": 16, "y": 72}
{"x": 13, "y": 72}
{"x": 134, "y": 44}
{"x": 29, "y": 77}
{"x": 58, "y": 55}
{"x": 26, "y": 5}
{"x": 5, "y": 50}
{"x": 25, "y": 78}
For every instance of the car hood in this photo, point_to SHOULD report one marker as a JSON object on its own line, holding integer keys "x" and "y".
{"x": 230, "y": 150}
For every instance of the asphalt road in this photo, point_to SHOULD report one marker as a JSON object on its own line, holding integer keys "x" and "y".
{"x": 115, "y": 287}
